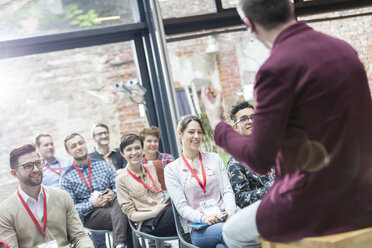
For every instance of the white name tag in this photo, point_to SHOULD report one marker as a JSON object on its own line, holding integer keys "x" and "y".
{"x": 50, "y": 244}
{"x": 210, "y": 207}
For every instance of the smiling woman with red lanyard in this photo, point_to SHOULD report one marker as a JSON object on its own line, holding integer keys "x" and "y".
{"x": 198, "y": 185}
{"x": 140, "y": 194}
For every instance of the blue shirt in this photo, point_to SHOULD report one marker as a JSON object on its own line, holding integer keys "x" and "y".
{"x": 103, "y": 177}
{"x": 50, "y": 178}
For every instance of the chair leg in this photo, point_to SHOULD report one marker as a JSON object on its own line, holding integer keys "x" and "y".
{"x": 109, "y": 239}
{"x": 157, "y": 243}
{"x": 135, "y": 240}
{"x": 93, "y": 237}
{"x": 144, "y": 245}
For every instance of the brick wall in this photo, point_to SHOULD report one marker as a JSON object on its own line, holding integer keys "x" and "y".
{"x": 65, "y": 92}
{"x": 68, "y": 91}
{"x": 356, "y": 31}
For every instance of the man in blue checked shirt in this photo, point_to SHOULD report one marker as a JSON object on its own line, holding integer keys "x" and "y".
{"x": 91, "y": 184}
{"x": 53, "y": 168}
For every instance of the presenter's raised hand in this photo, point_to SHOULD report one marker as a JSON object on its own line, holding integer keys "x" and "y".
{"x": 213, "y": 106}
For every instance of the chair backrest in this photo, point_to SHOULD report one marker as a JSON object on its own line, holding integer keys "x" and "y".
{"x": 184, "y": 237}
{"x": 138, "y": 234}
{"x": 160, "y": 173}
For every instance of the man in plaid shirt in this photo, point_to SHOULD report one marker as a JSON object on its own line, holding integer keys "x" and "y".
{"x": 91, "y": 184}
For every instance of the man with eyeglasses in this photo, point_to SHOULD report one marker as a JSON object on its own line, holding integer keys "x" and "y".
{"x": 313, "y": 120}
{"x": 91, "y": 184}
{"x": 53, "y": 167}
{"x": 101, "y": 136}
{"x": 248, "y": 186}
{"x": 35, "y": 215}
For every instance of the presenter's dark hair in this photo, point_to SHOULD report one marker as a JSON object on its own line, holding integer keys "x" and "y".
{"x": 267, "y": 13}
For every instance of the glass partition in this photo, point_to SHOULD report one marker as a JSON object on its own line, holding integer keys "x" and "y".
{"x": 20, "y": 19}
{"x": 183, "y": 8}
{"x": 226, "y": 4}
{"x": 68, "y": 91}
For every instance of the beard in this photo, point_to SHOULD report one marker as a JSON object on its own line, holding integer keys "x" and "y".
{"x": 81, "y": 158}
{"x": 30, "y": 181}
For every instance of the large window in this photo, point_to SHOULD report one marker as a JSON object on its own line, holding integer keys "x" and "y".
{"x": 183, "y": 8}
{"x": 63, "y": 92}
{"x": 224, "y": 61}
{"x": 27, "y": 18}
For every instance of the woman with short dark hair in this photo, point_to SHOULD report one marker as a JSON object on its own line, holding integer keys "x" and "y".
{"x": 139, "y": 191}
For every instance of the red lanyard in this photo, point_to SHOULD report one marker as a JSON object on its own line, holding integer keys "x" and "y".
{"x": 32, "y": 215}
{"x": 82, "y": 177}
{"x": 202, "y": 185}
{"x": 145, "y": 160}
{"x": 5, "y": 244}
{"x": 59, "y": 169}
{"x": 143, "y": 183}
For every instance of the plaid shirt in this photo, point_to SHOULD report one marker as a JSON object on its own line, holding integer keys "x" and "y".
{"x": 103, "y": 177}
{"x": 165, "y": 158}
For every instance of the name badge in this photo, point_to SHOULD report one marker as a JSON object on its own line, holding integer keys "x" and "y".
{"x": 50, "y": 244}
{"x": 210, "y": 207}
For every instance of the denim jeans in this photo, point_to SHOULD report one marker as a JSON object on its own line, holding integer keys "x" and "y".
{"x": 209, "y": 237}
{"x": 100, "y": 241}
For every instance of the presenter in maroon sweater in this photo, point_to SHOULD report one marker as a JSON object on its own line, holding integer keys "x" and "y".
{"x": 313, "y": 120}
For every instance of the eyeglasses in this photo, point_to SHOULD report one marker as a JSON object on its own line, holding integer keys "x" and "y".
{"x": 245, "y": 119}
{"x": 30, "y": 166}
{"x": 105, "y": 133}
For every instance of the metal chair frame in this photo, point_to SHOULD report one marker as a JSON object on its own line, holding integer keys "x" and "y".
{"x": 158, "y": 240}
{"x": 185, "y": 240}
{"x": 93, "y": 232}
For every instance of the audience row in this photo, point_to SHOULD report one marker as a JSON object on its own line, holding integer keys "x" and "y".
{"x": 133, "y": 182}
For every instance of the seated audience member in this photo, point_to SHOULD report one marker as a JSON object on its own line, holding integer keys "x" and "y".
{"x": 53, "y": 167}
{"x": 35, "y": 215}
{"x": 198, "y": 185}
{"x": 140, "y": 194}
{"x": 151, "y": 137}
{"x": 91, "y": 184}
{"x": 248, "y": 186}
{"x": 102, "y": 151}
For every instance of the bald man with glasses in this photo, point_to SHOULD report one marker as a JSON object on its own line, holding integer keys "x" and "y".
{"x": 35, "y": 215}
